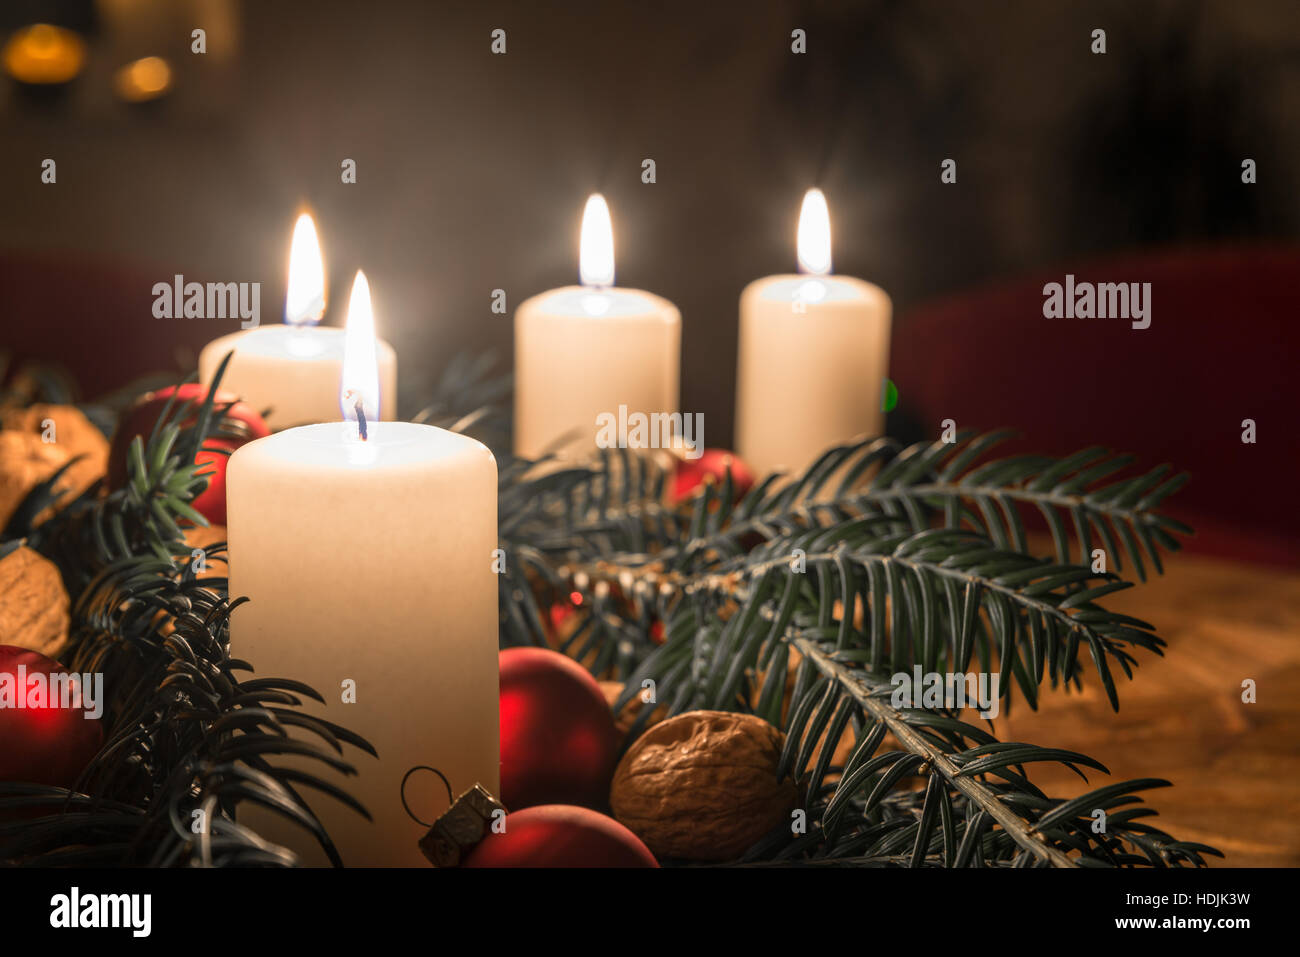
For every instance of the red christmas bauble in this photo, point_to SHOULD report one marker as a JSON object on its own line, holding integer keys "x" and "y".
{"x": 240, "y": 419}
{"x": 691, "y": 473}
{"x": 41, "y": 740}
{"x": 560, "y": 835}
{"x": 560, "y": 613}
{"x": 558, "y": 739}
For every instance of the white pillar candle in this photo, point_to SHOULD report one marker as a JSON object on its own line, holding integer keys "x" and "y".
{"x": 813, "y": 355}
{"x": 581, "y": 351}
{"x": 368, "y": 566}
{"x": 293, "y": 368}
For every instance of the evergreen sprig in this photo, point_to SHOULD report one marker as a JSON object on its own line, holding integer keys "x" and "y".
{"x": 799, "y": 602}
{"x": 188, "y": 741}
{"x": 796, "y": 603}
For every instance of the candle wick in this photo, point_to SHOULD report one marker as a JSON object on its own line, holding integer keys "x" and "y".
{"x": 361, "y": 420}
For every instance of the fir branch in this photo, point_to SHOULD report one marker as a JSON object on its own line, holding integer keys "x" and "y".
{"x": 966, "y": 489}
{"x": 924, "y": 562}
{"x": 467, "y": 397}
{"x": 184, "y": 733}
{"x": 933, "y": 598}
{"x": 960, "y": 773}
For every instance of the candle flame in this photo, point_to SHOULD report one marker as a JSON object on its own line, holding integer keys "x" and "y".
{"x": 305, "y": 302}
{"x": 814, "y": 240}
{"x": 596, "y": 247}
{"x": 360, "y": 381}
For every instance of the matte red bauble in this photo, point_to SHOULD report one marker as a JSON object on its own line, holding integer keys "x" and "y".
{"x": 41, "y": 742}
{"x": 558, "y": 740}
{"x": 240, "y": 420}
{"x": 691, "y": 473}
{"x": 560, "y": 835}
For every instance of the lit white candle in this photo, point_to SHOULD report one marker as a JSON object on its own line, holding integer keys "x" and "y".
{"x": 813, "y": 355}
{"x": 293, "y": 368}
{"x": 581, "y": 351}
{"x": 368, "y": 568}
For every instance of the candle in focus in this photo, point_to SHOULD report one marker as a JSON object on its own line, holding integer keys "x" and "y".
{"x": 581, "y": 351}
{"x": 813, "y": 354}
{"x": 368, "y": 569}
{"x": 293, "y": 368}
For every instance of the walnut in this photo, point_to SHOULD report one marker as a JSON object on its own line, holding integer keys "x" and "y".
{"x": 66, "y": 426}
{"x": 703, "y": 785}
{"x": 27, "y": 459}
{"x": 34, "y": 610}
{"x": 25, "y": 462}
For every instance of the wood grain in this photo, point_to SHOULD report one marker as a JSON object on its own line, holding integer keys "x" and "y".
{"x": 1235, "y": 766}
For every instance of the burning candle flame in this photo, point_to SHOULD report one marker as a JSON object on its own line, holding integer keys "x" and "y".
{"x": 596, "y": 246}
{"x": 360, "y": 382}
{"x": 814, "y": 240}
{"x": 305, "y": 302}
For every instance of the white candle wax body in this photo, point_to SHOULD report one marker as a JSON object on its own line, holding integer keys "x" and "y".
{"x": 294, "y": 371}
{"x": 580, "y": 352}
{"x": 370, "y": 563}
{"x": 813, "y": 355}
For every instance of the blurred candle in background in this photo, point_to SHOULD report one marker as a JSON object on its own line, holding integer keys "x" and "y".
{"x": 581, "y": 351}
{"x": 813, "y": 353}
{"x": 293, "y": 368}
{"x": 367, "y": 565}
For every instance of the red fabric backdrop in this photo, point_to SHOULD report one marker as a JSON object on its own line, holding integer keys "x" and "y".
{"x": 96, "y": 319}
{"x": 1220, "y": 349}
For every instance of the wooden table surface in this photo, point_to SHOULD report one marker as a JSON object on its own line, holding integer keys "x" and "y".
{"x": 1235, "y": 767}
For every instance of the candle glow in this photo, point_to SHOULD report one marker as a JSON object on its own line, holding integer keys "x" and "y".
{"x": 304, "y": 303}
{"x": 145, "y": 79}
{"x": 359, "y": 386}
{"x": 814, "y": 236}
{"x": 596, "y": 244}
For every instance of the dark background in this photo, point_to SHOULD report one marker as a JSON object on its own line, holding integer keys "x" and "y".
{"x": 473, "y": 168}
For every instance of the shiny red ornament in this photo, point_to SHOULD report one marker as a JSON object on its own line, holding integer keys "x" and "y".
{"x": 240, "y": 420}
{"x": 691, "y": 473}
{"x": 558, "y": 739}
{"x": 561, "y": 612}
{"x": 41, "y": 741}
{"x": 560, "y": 835}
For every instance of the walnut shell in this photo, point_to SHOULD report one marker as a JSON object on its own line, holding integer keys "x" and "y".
{"x": 25, "y": 462}
{"x": 26, "y": 459}
{"x": 703, "y": 786}
{"x": 34, "y": 610}
{"x": 71, "y": 430}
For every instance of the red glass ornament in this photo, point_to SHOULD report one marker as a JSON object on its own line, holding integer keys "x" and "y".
{"x": 558, "y": 739}
{"x": 47, "y": 744}
{"x": 560, "y": 835}
{"x": 691, "y": 473}
{"x": 240, "y": 419}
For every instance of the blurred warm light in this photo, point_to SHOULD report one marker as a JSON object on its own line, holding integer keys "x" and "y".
{"x": 305, "y": 302}
{"x": 360, "y": 379}
{"x": 596, "y": 246}
{"x": 814, "y": 239}
{"x": 145, "y": 79}
{"x": 44, "y": 54}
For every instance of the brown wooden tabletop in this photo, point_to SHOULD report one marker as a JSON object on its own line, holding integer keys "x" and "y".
{"x": 1235, "y": 767}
